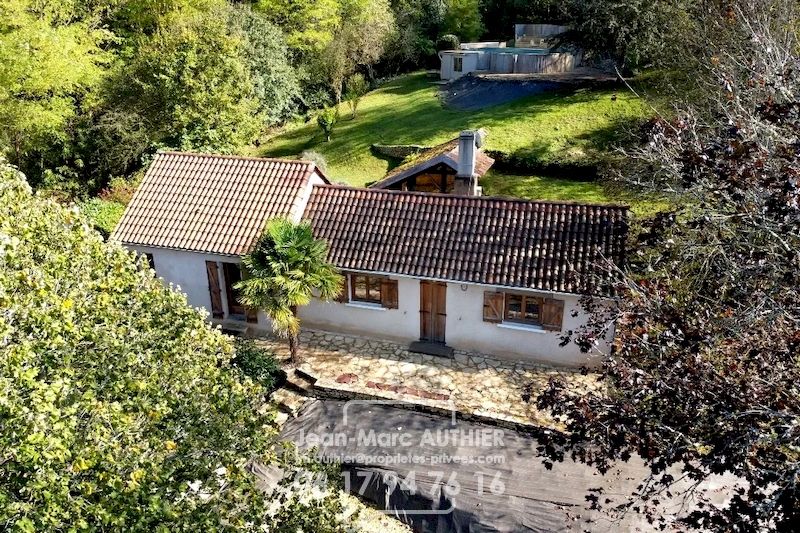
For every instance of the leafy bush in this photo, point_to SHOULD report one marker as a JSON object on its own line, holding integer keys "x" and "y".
{"x": 326, "y": 120}
{"x": 119, "y": 190}
{"x": 119, "y": 407}
{"x": 103, "y": 214}
{"x": 357, "y": 87}
{"x": 448, "y": 41}
{"x": 256, "y": 362}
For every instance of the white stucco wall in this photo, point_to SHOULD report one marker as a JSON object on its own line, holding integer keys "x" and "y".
{"x": 401, "y": 324}
{"x": 464, "y": 329}
{"x": 186, "y": 271}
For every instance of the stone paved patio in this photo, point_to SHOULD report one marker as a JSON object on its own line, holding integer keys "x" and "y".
{"x": 476, "y": 384}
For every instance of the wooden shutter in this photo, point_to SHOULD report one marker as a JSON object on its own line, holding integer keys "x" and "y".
{"x": 493, "y": 306}
{"x": 213, "y": 289}
{"x": 552, "y": 314}
{"x": 344, "y": 296}
{"x": 389, "y": 296}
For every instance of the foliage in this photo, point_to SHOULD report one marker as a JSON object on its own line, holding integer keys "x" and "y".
{"x": 448, "y": 41}
{"x": 189, "y": 83}
{"x": 308, "y": 25}
{"x": 412, "y": 44}
{"x": 256, "y": 362}
{"x": 357, "y": 87}
{"x": 275, "y": 81}
{"x": 286, "y": 267}
{"x": 637, "y": 33}
{"x": 326, "y": 120}
{"x": 358, "y": 41}
{"x": 51, "y": 61}
{"x": 705, "y": 376}
{"x": 103, "y": 214}
{"x": 463, "y": 19}
{"x": 120, "y": 410}
{"x": 499, "y": 16}
{"x": 551, "y": 129}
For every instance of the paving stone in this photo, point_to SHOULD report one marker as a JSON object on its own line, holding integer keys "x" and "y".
{"x": 474, "y": 382}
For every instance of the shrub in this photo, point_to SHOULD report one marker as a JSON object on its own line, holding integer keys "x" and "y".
{"x": 119, "y": 190}
{"x": 103, "y": 214}
{"x": 448, "y": 41}
{"x": 120, "y": 410}
{"x": 256, "y": 362}
{"x": 357, "y": 87}
{"x": 326, "y": 120}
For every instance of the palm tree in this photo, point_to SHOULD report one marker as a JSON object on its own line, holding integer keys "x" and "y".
{"x": 282, "y": 272}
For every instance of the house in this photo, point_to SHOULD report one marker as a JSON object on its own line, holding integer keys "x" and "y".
{"x": 454, "y": 167}
{"x": 437, "y": 271}
{"x": 194, "y": 216}
{"x": 533, "y": 53}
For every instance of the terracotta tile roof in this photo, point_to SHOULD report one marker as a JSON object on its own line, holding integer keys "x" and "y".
{"x": 494, "y": 241}
{"x": 446, "y": 153}
{"x": 211, "y": 203}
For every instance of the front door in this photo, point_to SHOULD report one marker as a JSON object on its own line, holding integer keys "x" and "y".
{"x": 233, "y": 275}
{"x": 432, "y": 312}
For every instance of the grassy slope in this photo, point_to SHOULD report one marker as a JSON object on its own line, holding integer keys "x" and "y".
{"x": 553, "y": 128}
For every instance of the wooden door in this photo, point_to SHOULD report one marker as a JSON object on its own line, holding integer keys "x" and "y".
{"x": 433, "y": 315}
{"x": 213, "y": 289}
{"x": 233, "y": 275}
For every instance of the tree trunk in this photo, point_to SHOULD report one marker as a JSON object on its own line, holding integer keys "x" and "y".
{"x": 294, "y": 343}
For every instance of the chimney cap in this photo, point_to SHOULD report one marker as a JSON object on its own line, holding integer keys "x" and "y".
{"x": 478, "y": 135}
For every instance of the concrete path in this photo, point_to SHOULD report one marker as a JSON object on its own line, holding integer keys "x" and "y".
{"x": 476, "y": 385}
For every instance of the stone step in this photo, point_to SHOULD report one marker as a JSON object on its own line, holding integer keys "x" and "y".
{"x": 431, "y": 348}
{"x": 288, "y": 401}
{"x": 298, "y": 383}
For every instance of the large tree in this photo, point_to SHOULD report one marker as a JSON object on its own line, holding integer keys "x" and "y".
{"x": 52, "y": 58}
{"x": 120, "y": 408}
{"x": 284, "y": 270}
{"x": 704, "y": 378}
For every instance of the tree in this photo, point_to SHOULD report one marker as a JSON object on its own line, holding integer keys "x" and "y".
{"x": 190, "y": 84}
{"x": 263, "y": 48}
{"x": 357, "y": 87}
{"x": 326, "y": 120}
{"x": 704, "y": 379}
{"x": 52, "y": 58}
{"x": 284, "y": 269}
{"x": 463, "y": 19}
{"x": 309, "y": 25}
{"x": 638, "y": 33}
{"x": 121, "y": 409}
{"x": 358, "y": 42}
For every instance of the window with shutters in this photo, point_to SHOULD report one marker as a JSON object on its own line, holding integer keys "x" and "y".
{"x": 523, "y": 309}
{"x": 364, "y": 288}
{"x": 378, "y": 290}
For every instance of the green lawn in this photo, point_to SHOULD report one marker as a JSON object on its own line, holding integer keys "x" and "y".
{"x": 497, "y": 183}
{"x": 554, "y": 128}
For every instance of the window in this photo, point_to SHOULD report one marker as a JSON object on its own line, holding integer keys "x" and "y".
{"x": 524, "y": 309}
{"x": 150, "y": 260}
{"x": 379, "y": 290}
{"x": 458, "y": 64}
{"x": 365, "y": 288}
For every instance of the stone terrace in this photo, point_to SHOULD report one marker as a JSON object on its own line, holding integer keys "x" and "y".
{"x": 477, "y": 385}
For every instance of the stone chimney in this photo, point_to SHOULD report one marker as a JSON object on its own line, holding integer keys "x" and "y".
{"x": 469, "y": 142}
